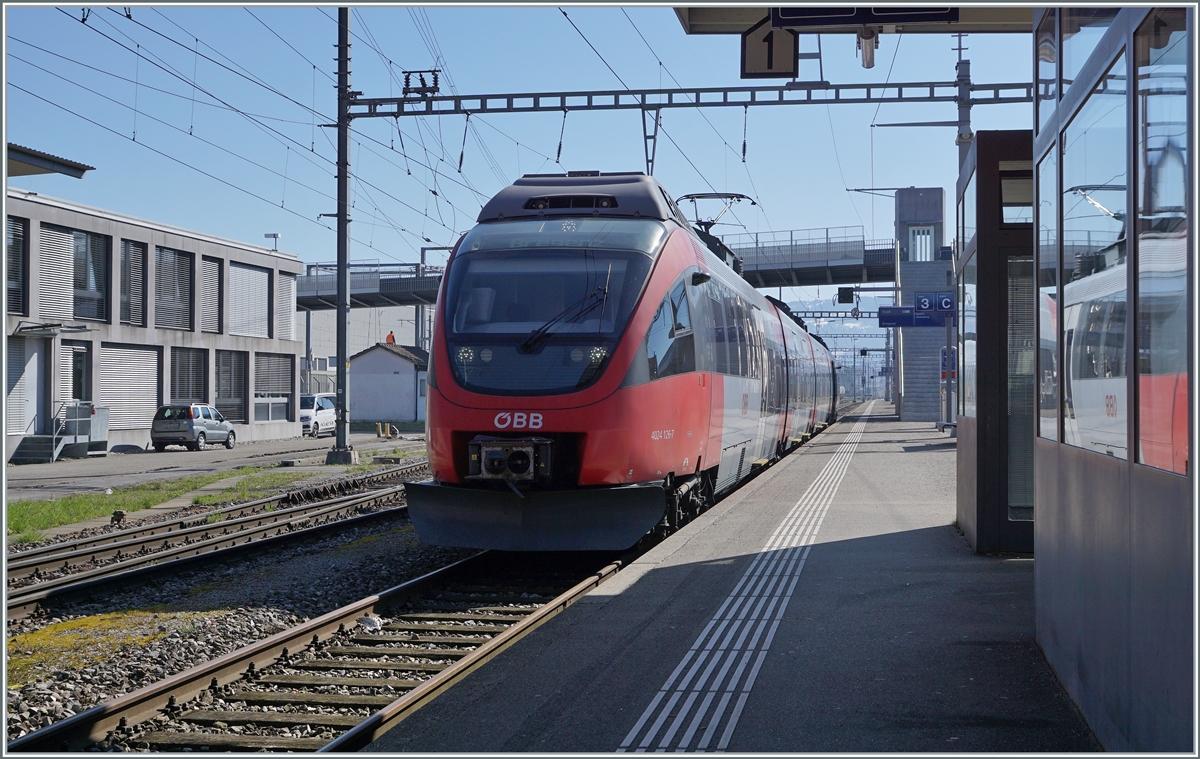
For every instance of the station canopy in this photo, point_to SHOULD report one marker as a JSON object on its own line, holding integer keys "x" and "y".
{"x": 889, "y": 19}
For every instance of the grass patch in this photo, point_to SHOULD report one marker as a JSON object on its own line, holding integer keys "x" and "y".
{"x": 252, "y": 488}
{"x": 26, "y": 536}
{"x": 87, "y": 641}
{"x": 25, "y": 517}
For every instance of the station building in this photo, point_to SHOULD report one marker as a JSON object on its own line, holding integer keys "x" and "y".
{"x": 1075, "y": 276}
{"x": 129, "y": 314}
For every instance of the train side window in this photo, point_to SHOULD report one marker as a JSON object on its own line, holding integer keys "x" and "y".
{"x": 719, "y": 346}
{"x": 670, "y": 347}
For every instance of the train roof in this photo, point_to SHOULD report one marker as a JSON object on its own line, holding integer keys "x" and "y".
{"x": 630, "y": 194}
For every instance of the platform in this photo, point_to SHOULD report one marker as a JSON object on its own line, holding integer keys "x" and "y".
{"x": 829, "y": 605}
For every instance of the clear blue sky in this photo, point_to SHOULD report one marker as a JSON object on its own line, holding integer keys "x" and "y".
{"x": 271, "y": 164}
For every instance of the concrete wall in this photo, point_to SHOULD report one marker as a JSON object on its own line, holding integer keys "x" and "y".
{"x": 38, "y": 209}
{"x": 383, "y": 388}
{"x": 921, "y": 360}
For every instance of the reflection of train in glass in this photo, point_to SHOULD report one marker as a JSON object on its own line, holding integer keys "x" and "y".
{"x": 598, "y": 370}
{"x": 1163, "y": 350}
{"x": 1094, "y": 387}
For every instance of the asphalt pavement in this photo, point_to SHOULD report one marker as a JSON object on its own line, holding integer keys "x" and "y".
{"x": 828, "y": 605}
{"x": 66, "y": 476}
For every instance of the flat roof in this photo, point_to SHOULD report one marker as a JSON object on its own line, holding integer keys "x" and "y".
{"x": 32, "y": 197}
{"x": 23, "y": 162}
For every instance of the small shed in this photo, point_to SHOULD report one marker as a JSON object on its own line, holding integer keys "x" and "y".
{"x": 387, "y": 384}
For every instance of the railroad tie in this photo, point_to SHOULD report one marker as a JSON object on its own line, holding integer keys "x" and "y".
{"x": 398, "y": 666}
{"x": 222, "y": 742}
{"x": 315, "y": 681}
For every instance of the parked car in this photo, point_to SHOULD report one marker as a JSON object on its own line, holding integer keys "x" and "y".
{"x": 193, "y": 426}
{"x": 318, "y": 414}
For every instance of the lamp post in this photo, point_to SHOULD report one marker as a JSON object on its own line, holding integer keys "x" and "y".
{"x": 274, "y": 237}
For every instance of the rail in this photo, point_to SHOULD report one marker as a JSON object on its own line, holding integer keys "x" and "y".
{"x": 470, "y": 610}
{"x": 60, "y": 570}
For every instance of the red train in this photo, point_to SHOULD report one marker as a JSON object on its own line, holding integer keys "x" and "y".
{"x": 598, "y": 369}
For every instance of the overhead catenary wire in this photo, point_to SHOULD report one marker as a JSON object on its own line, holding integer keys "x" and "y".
{"x": 663, "y": 67}
{"x": 271, "y": 130}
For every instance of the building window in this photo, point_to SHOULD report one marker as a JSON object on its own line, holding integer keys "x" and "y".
{"x": 1162, "y": 334}
{"x": 81, "y": 258}
{"x": 17, "y": 262}
{"x": 1016, "y": 195}
{"x": 1047, "y": 295}
{"x": 129, "y": 385}
{"x": 133, "y": 283}
{"x": 285, "y": 307}
{"x": 1095, "y": 403}
{"x": 1047, "y": 69}
{"x": 189, "y": 375}
{"x": 273, "y": 387}
{"x": 1082, "y": 29}
{"x": 249, "y": 300}
{"x": 210, "y": 294}
{"x": 231, "y": 385}
{"x": 920, "y": 243}
{"x": 172, "y": 288}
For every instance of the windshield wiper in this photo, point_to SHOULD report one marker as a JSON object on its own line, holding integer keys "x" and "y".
{"x": 539, "y": 335}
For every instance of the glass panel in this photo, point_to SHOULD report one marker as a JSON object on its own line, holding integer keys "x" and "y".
{"x": 967, "y": 341}
{"x": 1162, "y": 239}
{"x": 968, "y": 213}
{"x": 1020, "y": 389}
{"x": 1047, "y": 69}
{"x": 1047, "y": 284}
{"x": 1082, "y": 29}
{"x": 1093, "y": 249}
{"x": 91, "y": 276}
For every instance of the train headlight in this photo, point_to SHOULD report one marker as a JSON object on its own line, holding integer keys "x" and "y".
{"x": 598, "y": 354}
{"x": 576, "y": 355}
{"x": 518, "y": 462}
{"x": 466, "y": 355}
{"x": 485, "y": 355}
{"x": 494, "y": 462}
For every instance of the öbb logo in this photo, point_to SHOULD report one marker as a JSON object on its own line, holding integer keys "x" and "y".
{"x": 518, "y": 420}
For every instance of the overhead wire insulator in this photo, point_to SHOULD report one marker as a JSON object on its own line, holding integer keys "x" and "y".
{"x": 463, "y": 151}
{"x": 558, "y": 157}
{"x": 745, "y": 122}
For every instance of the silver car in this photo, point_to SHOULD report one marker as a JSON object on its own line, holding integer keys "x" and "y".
{"x": 193, "y": 426}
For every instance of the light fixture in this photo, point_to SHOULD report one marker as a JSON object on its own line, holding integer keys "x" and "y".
{"x": 868, "y": 41}
{"x": 275, "y": 237}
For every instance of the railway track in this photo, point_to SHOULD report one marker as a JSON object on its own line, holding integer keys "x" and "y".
{"x": 339, "y": 681}
{"x": 63, "y": 569}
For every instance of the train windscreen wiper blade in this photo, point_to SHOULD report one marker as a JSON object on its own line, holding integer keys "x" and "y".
{"x": 539, "y": 335}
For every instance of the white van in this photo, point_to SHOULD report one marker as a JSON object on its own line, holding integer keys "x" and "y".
{"x": 317, "y": 414}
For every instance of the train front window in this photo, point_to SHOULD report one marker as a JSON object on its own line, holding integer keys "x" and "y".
{"x": 537, "y": 307}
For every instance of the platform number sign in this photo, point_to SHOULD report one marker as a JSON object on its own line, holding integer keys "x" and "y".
{"x": 945, "y": 302}
{"x": 769, "y": 53}
{"x": 925, "y": 302}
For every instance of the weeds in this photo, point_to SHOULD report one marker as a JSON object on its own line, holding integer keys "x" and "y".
{"x": 28, "y": 517}
{"x": 252, "y": 488}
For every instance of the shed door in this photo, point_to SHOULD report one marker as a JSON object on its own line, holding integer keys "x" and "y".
{"x": 129, "y": 386}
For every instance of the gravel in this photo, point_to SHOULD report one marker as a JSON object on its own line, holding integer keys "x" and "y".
{"x": 168, "y": 625}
